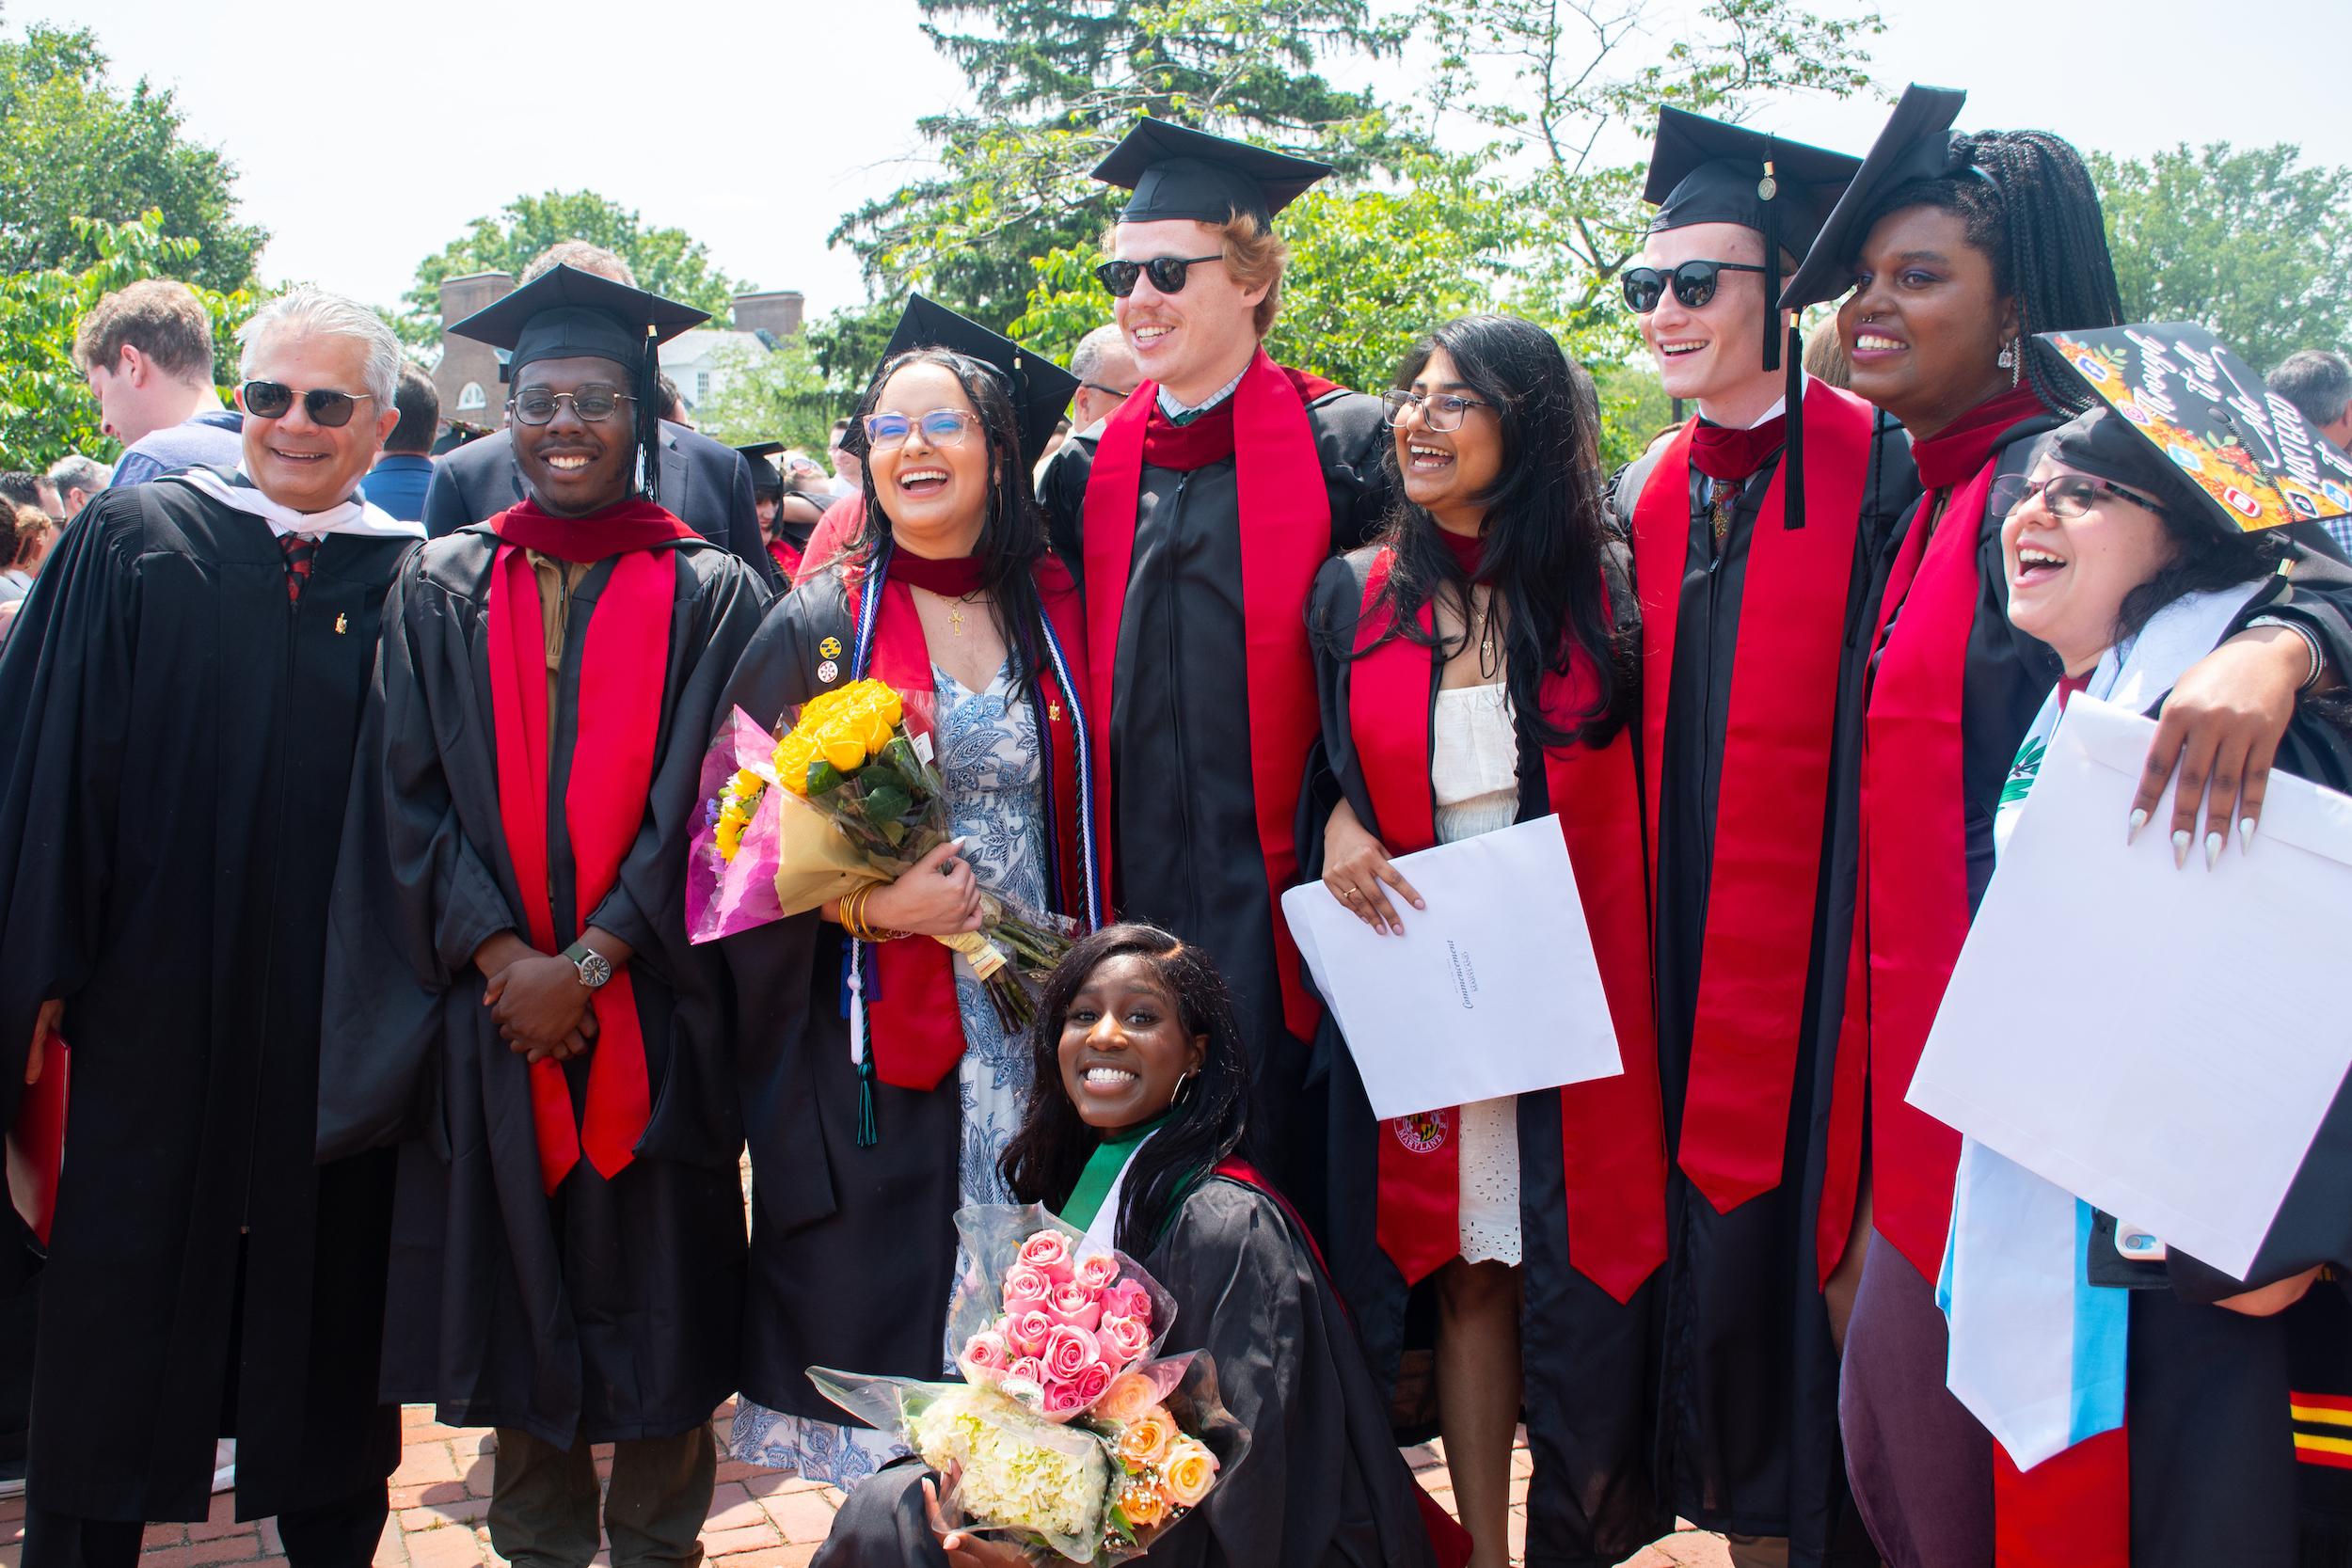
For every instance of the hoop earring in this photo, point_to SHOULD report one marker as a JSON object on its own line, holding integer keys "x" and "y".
{"x": 2012, "y": 359}
{"x": 1183, "y": 1088}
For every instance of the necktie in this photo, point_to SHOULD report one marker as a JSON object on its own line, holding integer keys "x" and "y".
{"x": 300, "y": 552}
{"x": 1720, "y": 495}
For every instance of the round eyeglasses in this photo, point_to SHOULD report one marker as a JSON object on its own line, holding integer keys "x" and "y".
{"x": 1440, "y": 411}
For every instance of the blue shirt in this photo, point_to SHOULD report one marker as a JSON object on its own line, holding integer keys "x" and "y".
{"x": 397, "y": 484}
{"x": 209, "y": 440}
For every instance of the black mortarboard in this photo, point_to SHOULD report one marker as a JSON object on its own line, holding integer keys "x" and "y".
{"x": 2183, "y": 417}
{"x": 1041, "y": 390}
{"x": 1177, "y": 172}
{"x": 766, "y": 477}
{"x": 566, "y": 312}
{"x": 1917, "y": 143}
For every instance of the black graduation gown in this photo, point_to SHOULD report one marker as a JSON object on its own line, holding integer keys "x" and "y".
{"x": 1321, "y": 1484}
{"x": 1186, "y": 854}
{"x": 610, "y": 1308}
{"x": 2007, "y": 675}
{"x": 1588, "y": 1363}
{"x": 179, "y": 746}
{"x": 1747, "y": 1425}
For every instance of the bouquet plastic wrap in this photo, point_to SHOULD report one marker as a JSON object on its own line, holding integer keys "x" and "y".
{"x": 848, "y": 795}
{"x": 1069, "y": 1432}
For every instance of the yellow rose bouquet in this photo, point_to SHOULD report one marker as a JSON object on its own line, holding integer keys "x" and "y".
{"x": 848, "y": 797}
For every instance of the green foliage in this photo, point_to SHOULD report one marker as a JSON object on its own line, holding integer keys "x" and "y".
{"x": 74, "y": 147}
{"x": 668, "y": 262}
{"x": 2249, "y": 242}
{"x": 770, "y": 395}
{"x": 46, "y": 411}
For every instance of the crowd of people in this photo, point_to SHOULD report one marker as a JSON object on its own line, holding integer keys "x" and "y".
{"x": 353, "y": 769}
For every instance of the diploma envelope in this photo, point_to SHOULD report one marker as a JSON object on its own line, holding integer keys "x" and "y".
{"x": 2161, "y": 1042}
{"x": 1492, "y": 990}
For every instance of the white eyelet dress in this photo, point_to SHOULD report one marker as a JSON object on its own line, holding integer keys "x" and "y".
{"x": 1473, "y": 773}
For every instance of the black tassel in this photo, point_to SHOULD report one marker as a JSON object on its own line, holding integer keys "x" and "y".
{"x": 649, "y": 418}
{"x": 1792, "y": 445}
{"x": 867, "y": 1133}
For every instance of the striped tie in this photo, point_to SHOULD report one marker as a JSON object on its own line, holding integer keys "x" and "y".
{"x": 300, "y": 551}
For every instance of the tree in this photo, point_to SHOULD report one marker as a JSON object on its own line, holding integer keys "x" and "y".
{"x": 668, "y": 262}
{"x": 45, "y": 408}
{"x": 776, "y": 394}
{"x": 72, "y": 148}
{"x": 2249, "y": 244}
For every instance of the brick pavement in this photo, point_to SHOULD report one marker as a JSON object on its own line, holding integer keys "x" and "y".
{"x": 758, "y": 1519}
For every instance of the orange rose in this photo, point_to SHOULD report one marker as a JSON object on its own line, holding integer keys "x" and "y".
{"x": 1129, "y": 1395}
{"x": 1143, "y": 1503}
{"x": 1144, "y": 1442}
{"x": 1189, "y": 1472}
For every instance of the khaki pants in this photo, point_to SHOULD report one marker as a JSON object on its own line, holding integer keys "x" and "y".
{"x": 543, "y": 1500}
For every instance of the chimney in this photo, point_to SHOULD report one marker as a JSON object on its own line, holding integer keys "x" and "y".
{"x": 776, "y": 311}
{"x": 468, "y": 376}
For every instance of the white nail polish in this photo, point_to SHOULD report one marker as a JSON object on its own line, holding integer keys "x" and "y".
{"x": 2212, "y": 849}
{"x": 2182, "y": 839}
{"x": 2245, "y": 834}
{"x": 2139, "y": 820}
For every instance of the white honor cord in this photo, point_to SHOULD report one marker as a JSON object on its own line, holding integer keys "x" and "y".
{"x": 857, "y": 1003}
{"x": 1103, "y": 1232}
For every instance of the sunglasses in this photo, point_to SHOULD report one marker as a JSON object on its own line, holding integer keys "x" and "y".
{"x": 941, "y": 427}
{"x": 537, "y": 406}
{"x": 1693, "y": 283}
{"x": 2066, "y": 496}
{"x": 273, "y": 400}
{"x": 1167, "y": 272}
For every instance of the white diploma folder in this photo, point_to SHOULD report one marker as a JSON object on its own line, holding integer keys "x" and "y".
{"x": 2161, "y": 1042}
{"x": 1492, "y": 990}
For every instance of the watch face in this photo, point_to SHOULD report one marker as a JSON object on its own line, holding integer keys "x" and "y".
{"x": 593, "y": 970}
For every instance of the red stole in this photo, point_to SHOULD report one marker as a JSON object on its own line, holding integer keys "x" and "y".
{"x": 916, "y": 1034}
{"x": 1285, "y": 530}
{"x": 1775, "y": 782}
{"x": 604, "y": 803}
{"x": 1611, "y": 1133}
{"x": 788, "y": 560}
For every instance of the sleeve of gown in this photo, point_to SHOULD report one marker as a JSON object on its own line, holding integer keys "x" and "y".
{"x": 1062, "y": 493}
{"x": 1332, "y": 609}
{"x": 881, "y": 1525}
{"x": 413, "y": 898}
{"x": 2321, "y": 598}
{"x": 646, "y": 904}
{"x": 65, "y": 682}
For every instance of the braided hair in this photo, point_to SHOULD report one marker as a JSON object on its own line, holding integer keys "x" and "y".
{"x": 2028, "y": 204}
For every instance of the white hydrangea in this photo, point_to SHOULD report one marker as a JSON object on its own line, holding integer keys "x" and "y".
{"x": 1016, "y": 1469}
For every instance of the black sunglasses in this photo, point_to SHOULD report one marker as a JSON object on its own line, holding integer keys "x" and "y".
{"x": 1168, "y": 273}
{"x": 1693, "y": 283}
{"x": 272, "y": 400}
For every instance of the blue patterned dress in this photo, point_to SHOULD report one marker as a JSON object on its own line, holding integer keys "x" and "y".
{"x": 987, "y": 744}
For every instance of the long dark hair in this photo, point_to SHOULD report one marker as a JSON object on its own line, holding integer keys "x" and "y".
{"x": 2035, "y": 216}
{"x": 1208, "y": 1123}
{"x": 2204, "y": 558}
{"x": 1545, "y": 539}
{"x": 1013, "y": 534}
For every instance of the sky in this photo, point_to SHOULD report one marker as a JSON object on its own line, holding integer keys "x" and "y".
{"x": 368, "y": 136}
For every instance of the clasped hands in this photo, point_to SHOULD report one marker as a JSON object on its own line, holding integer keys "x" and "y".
{"x": 542, "y": 1010}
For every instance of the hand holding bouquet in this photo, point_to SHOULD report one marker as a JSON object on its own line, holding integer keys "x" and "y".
{"x": 849, "y": 798}
{"x": 1066, "y": 1432}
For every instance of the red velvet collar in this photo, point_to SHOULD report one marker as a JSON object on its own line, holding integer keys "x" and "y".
{"x": 1210, "y": 438}
{"x": 1466, "y": 550}
{"x": 1955, "y": 452}
{"x": 951, "y": 578}
{"x": 1720, "y": 451}
{"x": 634, "y": 524}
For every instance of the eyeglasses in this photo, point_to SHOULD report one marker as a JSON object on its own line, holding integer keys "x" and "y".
{"x": 537, "y": 406}
{"x": 941, "y": 427}
{"x": 274, "y": 400}
{"x": 1440, "y": 411}
{"x": 1167, "y": 272}
{"x": 2066, "y": 495}
{"x": 1693, "y": 283}
{"x": 1108, "y": 392}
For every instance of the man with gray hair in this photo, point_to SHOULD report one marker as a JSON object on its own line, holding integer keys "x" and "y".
{"x": 1107, "y": 375}
{"x": 174, "y": 795}
{"x": 78, "y": 479}
{"x": 2318, "y": 382}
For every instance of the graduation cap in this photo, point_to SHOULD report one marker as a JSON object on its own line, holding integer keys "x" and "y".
{"x": 565, "y": 313}
{"x": 1704, "y": 170}
{"x": 1177, "y": 172}
{"x": 766, "y": 479}
{"x": 1917, "y": 143}
{"x": 2184, "y": 418}
{"x": 1041, "y": 390}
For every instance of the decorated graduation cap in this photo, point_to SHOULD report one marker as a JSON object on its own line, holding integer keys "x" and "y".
{"x": 567, "y": 313}
{"x": 1177, "y": 172}
{"x": 2184, "y": 418}
{"x": 767, "y": 480}
{"x": 1041, "y": 390}
{"x": 1704, "y": 170}
{"x": 1917, "y": 143}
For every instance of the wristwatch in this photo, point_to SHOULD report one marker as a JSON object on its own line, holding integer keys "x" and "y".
{"x": 595, "y": 967}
